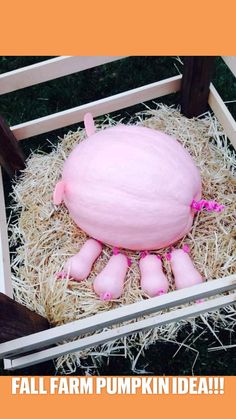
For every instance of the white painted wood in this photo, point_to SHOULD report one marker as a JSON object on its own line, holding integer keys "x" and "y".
{"x": 49, "y": 70}
{"x": 7, "y": 364}
{"x": 117, "y": 316}
{"x": 119, "y": 332}
{"x": 5, "y": 269}
{"x": 223, "y": 115}
{"x": 98, "y": 107}
{"x": 230, "y": 61}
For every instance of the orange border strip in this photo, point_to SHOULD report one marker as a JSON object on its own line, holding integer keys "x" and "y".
{"x": 125, "y": 27}
{"x": 116, "y": 406}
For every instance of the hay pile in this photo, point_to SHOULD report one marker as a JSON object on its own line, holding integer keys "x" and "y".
{"x": 45, "y": 236}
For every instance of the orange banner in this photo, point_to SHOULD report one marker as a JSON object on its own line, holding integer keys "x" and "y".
{"x": 124, "y": 27}
{"x": 116, "y": 397}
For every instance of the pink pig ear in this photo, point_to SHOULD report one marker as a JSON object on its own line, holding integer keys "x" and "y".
{"x": 89, "y": 124}
{"x": 58, "y": 193}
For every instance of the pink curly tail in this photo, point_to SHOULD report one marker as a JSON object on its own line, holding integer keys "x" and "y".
{"x": 208, "y": 205}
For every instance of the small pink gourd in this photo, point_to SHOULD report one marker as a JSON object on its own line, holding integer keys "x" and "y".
{"x": 109, "y": 283}
{"x": 153, "y": 280}
{"x": 185, "y": 273}
{"x": 79, "y": 266}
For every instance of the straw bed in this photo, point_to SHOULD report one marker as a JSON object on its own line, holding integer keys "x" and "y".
{"x": 44, "y": 237}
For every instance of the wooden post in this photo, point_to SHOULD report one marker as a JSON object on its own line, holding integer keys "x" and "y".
{"x": 196, "y": 80}
{"x": 17, "y": 320}
{"x": 11, "y": 156}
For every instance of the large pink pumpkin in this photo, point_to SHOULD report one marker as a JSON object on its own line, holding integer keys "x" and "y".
{"x": 131, "y": 187}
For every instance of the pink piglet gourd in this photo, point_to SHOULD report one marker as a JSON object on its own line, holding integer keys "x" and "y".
{"x": 109, "y": 283}
{"x": 153, "y": 280}
{"x": 185, "y": 273}
{"x": 80, "y": 265}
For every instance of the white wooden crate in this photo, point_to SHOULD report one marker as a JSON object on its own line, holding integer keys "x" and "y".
{"x": 14, "y": 351}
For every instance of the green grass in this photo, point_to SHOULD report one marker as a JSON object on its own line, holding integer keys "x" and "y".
{"x": 85, "y": 87}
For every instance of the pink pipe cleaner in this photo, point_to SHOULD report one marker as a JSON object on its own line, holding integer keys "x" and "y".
{"x": 208, "y": 205}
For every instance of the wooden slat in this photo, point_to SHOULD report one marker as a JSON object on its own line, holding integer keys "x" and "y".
{"x": 223, "y": 115}
{"x": 117, "y": 316}
{"x": 99, "y": 107}
{"x": 230, "y": 61}
{"x": 5, "y": 269}
{"x": 49, "y": 70}
{"x": 126, "y": 330}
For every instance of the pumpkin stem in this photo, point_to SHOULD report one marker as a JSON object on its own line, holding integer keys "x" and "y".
{"x": 116, "y": 251}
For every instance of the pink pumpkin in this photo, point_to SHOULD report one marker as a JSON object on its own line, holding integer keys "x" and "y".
{"x": 130, "y": 187}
